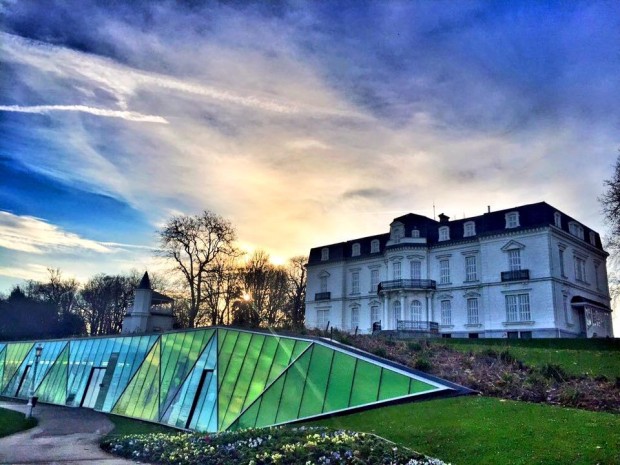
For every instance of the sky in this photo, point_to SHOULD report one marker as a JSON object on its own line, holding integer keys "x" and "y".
{"x": 303, "y": 123}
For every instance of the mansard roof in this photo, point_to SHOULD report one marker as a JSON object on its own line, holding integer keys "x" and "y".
{"x": 534, "y": 215}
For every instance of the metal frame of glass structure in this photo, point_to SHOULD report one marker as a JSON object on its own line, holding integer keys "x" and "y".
{"x": 211, "y": 379}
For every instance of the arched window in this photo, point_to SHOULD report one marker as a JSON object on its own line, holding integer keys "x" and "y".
{"x": 355, "y": 250}
{"x": 415, "y": 232}
{"x": 469, "y": 229}
{"x": 374, "y": 246}
{"x": 395, "y": 313}
{"x": 324, "y": 254}
{"x": 416, "y": 310}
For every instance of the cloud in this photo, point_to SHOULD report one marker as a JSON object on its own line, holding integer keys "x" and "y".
{"x": 26, "y": 271}
{"x": 36, "y": 236}
{"x": 123, "y": 114}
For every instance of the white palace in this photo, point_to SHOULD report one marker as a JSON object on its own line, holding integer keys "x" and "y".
{"x": 529, "y": 271}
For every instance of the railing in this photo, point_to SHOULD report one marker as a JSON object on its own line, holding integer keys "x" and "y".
{"x": 515, "y": 275}
{"x": 411, "y": 325}
{"x": 322, "y": 296}
{"x": 407, "y": 284}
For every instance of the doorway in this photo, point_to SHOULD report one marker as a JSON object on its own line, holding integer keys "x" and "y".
{"x": 201, "y": 393}
{"x": 95, "y": 381}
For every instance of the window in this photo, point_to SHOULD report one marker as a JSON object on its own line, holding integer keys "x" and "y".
{"x": 395, "y": 313}
{"x": 355, "y": 317}
{"x": 597, "y": 279}
{"x": 512, "y": 220}
{"x": 514, "y": 260}
{"x": 580, "y": 269}
{"x": 322, "y": 318}
{"x": 575, "y": 229}
{"x": 374, "y": 246}
{"x": 416, "y": 269}
{"x": 444, "y": 271}
{"x": 355, "y": 282}
{"x": 396, "y": 270}
{"x": 398, "y": 232}
{"x": 563, "y": 273}
{"x": 324, "y": 254}
{"x": 444, "y": 233}
{"x": 471, "y": 272}
{"x": 416, "y": 310}
{"x": 355, "y": 250}
{"x": 323, "y": 283}
{"x": 557, "y": 219}
{"x": 374, "y": 314}
{"x": 568, "y": 311}
{"x": 593, "y": 238}
{"x": 446, "y": 312}
{"x": 472, "y": 311}
{"x": 415, "y": 233}
{"x": 518, "y": 307}
{"x": 469, "y": 229}
{"x": 374, "y": 280}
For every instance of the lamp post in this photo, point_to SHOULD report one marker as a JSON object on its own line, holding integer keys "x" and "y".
{"x": 31, "y": 399}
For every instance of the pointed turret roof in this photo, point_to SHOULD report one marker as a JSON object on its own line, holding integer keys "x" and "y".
{"x": 145, "y": 283}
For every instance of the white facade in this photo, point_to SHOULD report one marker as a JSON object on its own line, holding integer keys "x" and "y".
{"x": 524, "y": 272}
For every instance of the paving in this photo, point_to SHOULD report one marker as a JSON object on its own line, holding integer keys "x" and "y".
{"x": 64, "y": 436}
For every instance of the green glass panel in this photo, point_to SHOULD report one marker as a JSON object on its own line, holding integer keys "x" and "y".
{"x": 248, "y": 419}
{"x": 366, "y": 384}
{"x": 270, "y": 401}
{"x": 261, "y": 373}
{"x": 141, "y": 398}
{"x": 294, "y": 381}
{"x": 179, "y": 354}
{"x": 340, "y": 382}
{"x": 231, "y": 376}
{"x": 282, "y": 358}
{"x": 2, "y": 356}
{"x": 299, "y": 348}
{"x": 204, "y": 418}
{"x": 53, "y": 388}
{"x": 225, "y": 352}
{"x": 416, "y": 386}
{"x": 14, "y": 357}
{"x": 316, "y": 382}
{"x": 244, "y": 379}
{"x": 393, "y": 385}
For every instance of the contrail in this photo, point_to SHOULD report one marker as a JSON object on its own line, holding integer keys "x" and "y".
{"x": 123, "y": 114}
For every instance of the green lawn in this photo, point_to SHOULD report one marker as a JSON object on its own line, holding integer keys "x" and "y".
{"x": 594, "y": 357}
{"x": 488, "y": 431}
{"x": 123, "y": 426}
{"x": 13, "y": 422}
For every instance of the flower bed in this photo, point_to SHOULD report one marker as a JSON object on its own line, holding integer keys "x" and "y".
{"x": 310, "y": 446}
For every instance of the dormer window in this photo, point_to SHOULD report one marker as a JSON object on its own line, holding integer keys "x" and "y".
{"x": 469, "y": 229}
{"x": 512, "y": 220}
{"x": 593, "y": 238}
{"x": 444, "y": 233}
{"x": 397, "y": 232}
{"x": 355, "y": 250}
{"x": 324, "y": 254}
{"x": 575, "y": 229}
{"x": 374, "y": 246}
{"x": 415, "y": 233}
{"x": 557, "y": 219}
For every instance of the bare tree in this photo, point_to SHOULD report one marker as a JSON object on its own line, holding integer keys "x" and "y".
{"x": 610, "y": 202}
{"x": 222, "y": 289}
{"x": 296, "y": 305}
{"x": 194, "y": 243}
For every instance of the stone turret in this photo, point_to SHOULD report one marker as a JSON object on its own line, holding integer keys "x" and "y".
{"x": 151, "y": 311}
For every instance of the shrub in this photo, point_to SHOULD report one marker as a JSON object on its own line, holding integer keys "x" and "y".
{"x": 555, "y": 372}
{"x": 423, "y": 364}
{"x": 506, "y": 356}
{"x": 489, "y": 353}
{"x": 414, "y": 346}
{"x": 570, "y": 395}
{"x": 380, "y": 352}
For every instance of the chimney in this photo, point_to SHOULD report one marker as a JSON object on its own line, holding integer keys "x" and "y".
{"x": 488, "y": 208}
{"x": 443, "y": 218}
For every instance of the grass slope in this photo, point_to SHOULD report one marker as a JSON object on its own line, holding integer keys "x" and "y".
{"x": 489, "y": 431}
{"x": 12, "y": 422}
{"x": 125, "y": 426}
{"x": 594, "y": 357}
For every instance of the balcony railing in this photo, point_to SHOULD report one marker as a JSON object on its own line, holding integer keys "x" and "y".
{"x": 322, "y": 296}
{"x": 515, "y": 275}
{"x": 407, "y": 284}
{"x": 411, "y": 325}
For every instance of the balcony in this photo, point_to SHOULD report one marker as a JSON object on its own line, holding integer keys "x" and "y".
{"x": 417, "y": 284}
{"x": 322, "y": 296}
{"x": 411, "y": 325}
{"x": 515, "y": 275}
